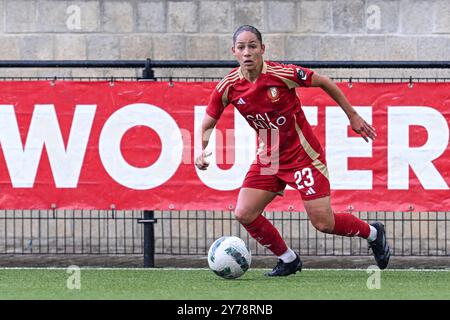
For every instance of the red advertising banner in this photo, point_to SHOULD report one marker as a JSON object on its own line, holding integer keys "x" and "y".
{"x": 129, "y": 145}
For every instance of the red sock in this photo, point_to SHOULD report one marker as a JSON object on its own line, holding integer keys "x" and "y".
{"x": 267, "y": 235}
{"x": 346, "y": 224}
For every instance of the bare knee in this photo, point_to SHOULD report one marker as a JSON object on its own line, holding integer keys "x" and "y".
{"x": 323, "y": 225}
{"x": 245, "y": 216}
{"x": 322, "y": 221}
{"x": 320, "y": 214}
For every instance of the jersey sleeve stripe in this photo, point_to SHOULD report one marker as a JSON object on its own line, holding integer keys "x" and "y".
{"x": 228, "y": 77}
{"x": 290, "y": 71}
{"x": 223, "y": 81}
{"x": 281, "y": 73}
{"x": 290, "y": 83}
{"x": 280, "y": 67}
{"x": 285, "y": 74}
{"x": 226, "y": 82}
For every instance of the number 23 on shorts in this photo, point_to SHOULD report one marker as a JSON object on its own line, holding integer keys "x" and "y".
{"x": 304, "y": 178}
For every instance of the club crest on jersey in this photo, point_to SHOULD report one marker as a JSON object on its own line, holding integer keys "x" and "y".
{"x": 273, "y": 94}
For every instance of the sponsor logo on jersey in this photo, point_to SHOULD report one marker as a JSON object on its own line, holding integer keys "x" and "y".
{"x": 241, "y": 101}
{"x": 273, "y": 94}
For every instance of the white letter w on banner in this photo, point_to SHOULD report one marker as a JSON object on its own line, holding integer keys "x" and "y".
{"x": 23, "y": 162}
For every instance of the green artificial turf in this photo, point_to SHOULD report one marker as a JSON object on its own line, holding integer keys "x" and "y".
{"x": 193, "y": 284}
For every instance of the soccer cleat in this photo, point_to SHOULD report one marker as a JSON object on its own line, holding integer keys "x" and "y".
{"x": 284, "y": 269}
{"x": 380, "y": 247}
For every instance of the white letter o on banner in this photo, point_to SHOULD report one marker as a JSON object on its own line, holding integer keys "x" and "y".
{"x": 141, "y": 114}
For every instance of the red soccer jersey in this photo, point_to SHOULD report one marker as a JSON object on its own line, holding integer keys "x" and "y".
{"x": 271, "y": 106}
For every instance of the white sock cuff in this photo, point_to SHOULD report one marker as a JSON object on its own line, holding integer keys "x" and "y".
{"x": 288, "y": 256}
{"x": 373, "y": 233}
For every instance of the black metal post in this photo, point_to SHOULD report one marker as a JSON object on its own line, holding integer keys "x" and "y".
{"x": 148, "y": 73}
{"x": 149, "y": 238}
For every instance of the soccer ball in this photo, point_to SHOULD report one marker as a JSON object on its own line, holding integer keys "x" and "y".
{"x": 229, "y": 257}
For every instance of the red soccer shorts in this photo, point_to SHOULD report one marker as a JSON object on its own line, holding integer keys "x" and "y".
{"x": 310, "y": 179}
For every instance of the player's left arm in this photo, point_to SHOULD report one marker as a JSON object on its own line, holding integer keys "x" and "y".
{"x": 358, "y": 124}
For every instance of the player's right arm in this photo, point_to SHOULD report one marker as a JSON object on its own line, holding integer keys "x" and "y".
{"x": 217, "y": 103}
{"x": 203, "y": 136}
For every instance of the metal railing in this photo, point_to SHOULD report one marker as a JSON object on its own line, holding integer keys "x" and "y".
{"x": 93, "y": 232}
{"x": 148, "y": 65}
{"x": 70, "y": 232}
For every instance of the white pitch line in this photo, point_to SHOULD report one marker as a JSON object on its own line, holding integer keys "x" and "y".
{"x": 206, "y": 269}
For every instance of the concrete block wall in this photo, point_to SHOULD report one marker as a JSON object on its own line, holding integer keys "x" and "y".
{"x": 202, "y": 29}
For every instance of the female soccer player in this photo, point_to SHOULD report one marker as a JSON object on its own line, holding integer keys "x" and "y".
{"x": 289, "y": 153}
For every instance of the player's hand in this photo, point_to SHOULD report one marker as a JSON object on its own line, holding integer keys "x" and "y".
{"x": 360, "y": 126}
{"x": 200, "y": 161}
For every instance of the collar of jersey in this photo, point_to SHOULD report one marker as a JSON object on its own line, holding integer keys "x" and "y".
{"x": 263, "y": 71}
